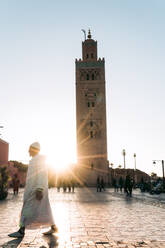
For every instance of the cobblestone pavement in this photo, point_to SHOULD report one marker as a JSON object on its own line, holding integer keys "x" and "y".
{"x": 87, "y": 219}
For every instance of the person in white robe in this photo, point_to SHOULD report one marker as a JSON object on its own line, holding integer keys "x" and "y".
{"x": 36, "y": 211}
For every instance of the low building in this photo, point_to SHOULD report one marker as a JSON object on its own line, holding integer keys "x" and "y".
{"x": 4, "y": 152}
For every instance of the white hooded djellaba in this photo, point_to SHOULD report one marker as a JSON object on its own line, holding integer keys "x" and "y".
{"x": 36, "y": 213}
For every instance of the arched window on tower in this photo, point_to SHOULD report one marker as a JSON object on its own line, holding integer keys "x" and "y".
{"x": 93, "y": 76}
{"x": 88, "y": 104}
{"x": 87, "y": 76}
{"x": 91, "y": 123}
{"x": 93, "y": 104}
{"x": 87, "y": 56}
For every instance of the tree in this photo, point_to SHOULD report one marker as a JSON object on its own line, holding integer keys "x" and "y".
{"x": 4, "y": 177}
{"x": 20, "y": 166}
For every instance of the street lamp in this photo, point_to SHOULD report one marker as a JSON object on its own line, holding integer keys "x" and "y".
{"x": 135, "y": 174}
{"x": 162, "y": 161}
{"x": 135, "y": 159}
{"x": 124, "y": 153}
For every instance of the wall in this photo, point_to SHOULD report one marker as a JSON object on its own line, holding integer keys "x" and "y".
{"x": 4, "y": 152}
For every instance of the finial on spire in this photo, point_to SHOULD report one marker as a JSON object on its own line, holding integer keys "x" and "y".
{"x": 89, "y": 34}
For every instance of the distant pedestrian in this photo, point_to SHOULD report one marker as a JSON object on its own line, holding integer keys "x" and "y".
{"x": 117, "y": 185}
{"x": 131, "y": 186}
{"x": 121, "y": 183}
{"x": 69, "y": 186}
{"x": 102, "y": 184}
{"x": 128, "y": 185}
{"x": 58, "y": 184}
{"x": 64, "y": 185}
{"x": 36, "y": 210}
{"x": 16, "y": 184}
{"x": 72, "y": 185}
{"x": 98, "y": 184}
{"x": 114, "y": 184}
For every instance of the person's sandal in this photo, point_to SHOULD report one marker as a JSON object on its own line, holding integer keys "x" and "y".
{"x": 16, "y": 235}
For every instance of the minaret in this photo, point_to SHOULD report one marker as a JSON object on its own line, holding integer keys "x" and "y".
{"x": 91, "y": 114}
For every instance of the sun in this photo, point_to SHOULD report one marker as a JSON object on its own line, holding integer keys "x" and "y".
{"x": 60, "y": 159}
{"x": 60, "y": 151}
{"x": 57, "y": 163}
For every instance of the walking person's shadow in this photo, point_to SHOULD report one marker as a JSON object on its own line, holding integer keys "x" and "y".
{"x": 12, "y": 243}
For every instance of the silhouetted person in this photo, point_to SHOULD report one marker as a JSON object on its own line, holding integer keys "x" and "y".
{"x": 69, "y": 186}
{"x": 64, "y": 186}
{"x": 127, "y": 181}
{"x": 72, "y": 185}
{"x": 102, "y": 184}
{"x": 117, "y": 185}
{"x": 16, "y": 184}
{"x": 58, "y": 184}
{"x": 128, "y": 185}
{"x": 131, "y": 186}
{"x": 121, "y": 183}
{"x": 142, "y": 188}
{"x": 98, "y": 184}
{"x": 114, "y": 184}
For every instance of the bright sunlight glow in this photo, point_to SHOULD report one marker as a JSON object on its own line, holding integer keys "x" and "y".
{"x": 59, "y": 158}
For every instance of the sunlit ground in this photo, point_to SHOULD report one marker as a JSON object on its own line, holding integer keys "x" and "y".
{"x": 61, "y": 217}
{"x": 60, "y": 159}
{"x": 62, "y": 212}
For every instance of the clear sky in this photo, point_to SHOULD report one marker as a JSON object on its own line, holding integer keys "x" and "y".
{"x": 39, "y": 43}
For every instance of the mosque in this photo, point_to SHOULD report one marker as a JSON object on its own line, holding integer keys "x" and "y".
{"x": 91, "y": 115}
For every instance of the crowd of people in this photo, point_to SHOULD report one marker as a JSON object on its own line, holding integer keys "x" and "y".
{"x": 66, "y": 185}
{"x": 126, "y": 185}
{"x": 118, "y": 184}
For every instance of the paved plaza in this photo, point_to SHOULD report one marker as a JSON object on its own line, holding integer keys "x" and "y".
{"x": 87, "y": 219}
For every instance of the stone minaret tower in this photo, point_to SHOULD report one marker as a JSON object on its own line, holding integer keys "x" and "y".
{"x": 91, "y": 115}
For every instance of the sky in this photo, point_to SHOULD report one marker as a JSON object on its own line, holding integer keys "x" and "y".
{"x": 39, "y": 41}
